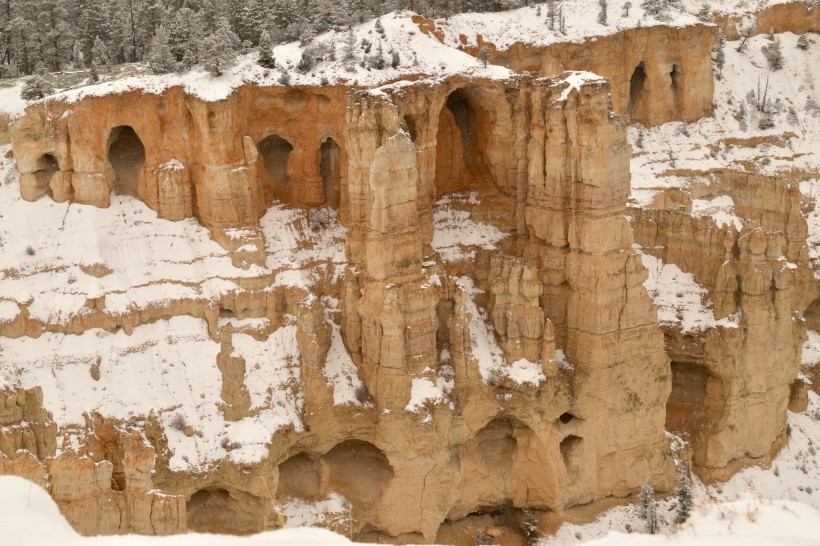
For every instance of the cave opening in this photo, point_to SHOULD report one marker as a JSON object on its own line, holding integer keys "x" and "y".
{"x": 696, "y": 404}
{"x": 566, "y": 418}
{"x": 47, "y": 167}
{"x": 330, "y": 166}
{"x": 410, "y": 125}
{"x": 217, "y": 510}
{"x": 355, "y": 469}
{"x": 126, "y": 155}
{"x": 570, "y": 448}
{"x": 490, "y": 466}
{"x": 676, "y": 83}
{"x": 274, "y": 182}
{"x": 460, "y": 161}
{"x": 637, "y": 91}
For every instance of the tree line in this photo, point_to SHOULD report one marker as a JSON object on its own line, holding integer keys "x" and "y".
{"x": 56, "y": 35}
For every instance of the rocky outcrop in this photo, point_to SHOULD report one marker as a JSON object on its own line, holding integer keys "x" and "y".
{"x": 796, "y": 17}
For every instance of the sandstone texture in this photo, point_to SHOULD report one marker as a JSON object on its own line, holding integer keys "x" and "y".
{"x": 416, "y": 305}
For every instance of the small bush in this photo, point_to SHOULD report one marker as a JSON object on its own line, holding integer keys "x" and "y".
{"x": 36, "y": 88}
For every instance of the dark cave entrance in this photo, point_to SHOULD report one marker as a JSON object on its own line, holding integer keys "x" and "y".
{"x": 330, "y": 166}
{"x": 676, "y": 79}
{"x": 635, "y": 110}
{"x": 696, "y": 404}
{"x": 274, "y": 182}
{"x": 460, "y": 162}
{"x": 126, "y": 155}
{"x": 47, "y": 167}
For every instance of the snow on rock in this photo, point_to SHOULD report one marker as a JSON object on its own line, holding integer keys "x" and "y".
{"x": 29, "y": 517}
{"x": 810, "y": 189}
{"x": 333, "y": 509}
{"x": 341, "y": 373}
{"x": 680, "y": 299}
{"x": 422, "y": 393}
{"x": 456, "y": 234}
{"x": 491, "y": 362}
{"x": 169, "y": 368}
{"x": 721, "y": 209}
{"x": 811, "y": 349}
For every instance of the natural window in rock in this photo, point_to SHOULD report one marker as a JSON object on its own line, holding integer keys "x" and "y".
{"x": 410, "y": 124}
{"x": 216, "y": 510}
{"x": 330, "y": 165}
{"x": 302, "y": 476}
{"x": 47, "y": 167}
{"x": 274, "y": 181}
{"x": 460, "y": 163}
{"x": 126, "y": 155}
{"x": 636, "y": 92}
{"x": 566, "y": 417}
{"x": 571, "y": 453}
{"x": 696, "y": 403}
{"x": 676, "y": 78}
{"x": 360, "y": 472}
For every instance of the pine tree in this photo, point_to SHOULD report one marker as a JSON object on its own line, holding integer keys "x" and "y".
{"x": 36, "y": 88}
{"x": 484, "y": 55}
{"x": 219, "y": 49}
{"x": 774, "y": 55}
{"x": 645, "y": 497}
{"x": 349, "y": 50}
{"x": 718, "y": 53}
{"x": 705, "y": 13}
{"x": 160, "y": 58}
{"x": 266, "y": 51}
{"x": 551, "y": 14}
{"x": 803, "y": 42}
{"x": 684, "y": 496}
{"x": 627, "y": 5}
{"x": 99, "y": 54}
{"x": 602, "y": 16}
{"x": 307, "y": 61}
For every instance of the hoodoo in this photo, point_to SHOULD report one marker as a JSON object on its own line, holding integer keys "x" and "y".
{"x": 414, "y": 302}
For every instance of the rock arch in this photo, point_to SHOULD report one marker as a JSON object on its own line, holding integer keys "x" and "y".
{"x": 47, "y": 167}
{"x": 216, "y": 509}
{"x": 492, "y": 467}
{"x": 637, "y": 91}
{"x": 274, "y": 179}
{"x": 356, "y": 469}
{"x": 330, "y": 163}
{"x": 126, "y": 156}
{"x": 460, "y": 162}
{"x": 696, "y": 404}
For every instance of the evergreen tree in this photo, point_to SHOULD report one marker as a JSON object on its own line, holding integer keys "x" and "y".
{"x": 774, "y": 55}
{"x": 349, "y": 50}
{"x": 219, "y": 49}
{"x": 160, "y": 58}
{"x": 36, "y": 88}
{"x": 803, "y": 42}
{"x": 684, "y": 496}
{"x": 602, "y": 16}
{"x": 99, "y": 54}
{"x": 705, "y": 13}
{"x": 649, "y": 510}
{"x": 266, "y": 51}
{"x": 718, "y": 53}
{"x": 484, "y": 55}
{"x": 645, "y": 498}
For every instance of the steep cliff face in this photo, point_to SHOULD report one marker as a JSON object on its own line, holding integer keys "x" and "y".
{"x": 431, "y": 391}
{"x": 658, "y": 74}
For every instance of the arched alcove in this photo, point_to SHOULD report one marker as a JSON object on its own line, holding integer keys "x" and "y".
{"x": 637, "y": 91}
{"x": 696, "y": 404}
{"x": 218, "y": 510}
{"x": 460, "y": 162}
{"x": 360, "y": 471}
{"x": 490, "y": 466}
{"x": 274, "y": 182}
{"x": 676, "y": 84}
{"x": 301, "y": 476}
{"x": 410, "y": 125}
{"x": 330, "y": 166}
{"x": 126, "y": 155}
{"x": 47, "y": 167}
{"x": 571, "y": 454}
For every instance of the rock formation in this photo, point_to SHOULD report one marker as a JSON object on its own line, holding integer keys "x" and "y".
{"x": 421, "y": 377}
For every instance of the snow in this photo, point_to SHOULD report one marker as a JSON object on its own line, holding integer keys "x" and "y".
{"x": 456, "y": 235}
{"x": 721, "y": 209}
{"x": 167, "y": 368}
{"x": 341, "y": 372}
{"x": 811, "y": 349}
{"x": 333, "y": 510}
{"x": 680, "y": 299}
{"x": 422, "y": 393}
{"x": 490, "y": 358}
{"x": 10, "y": 102}
{"x": 29, "y": 517}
